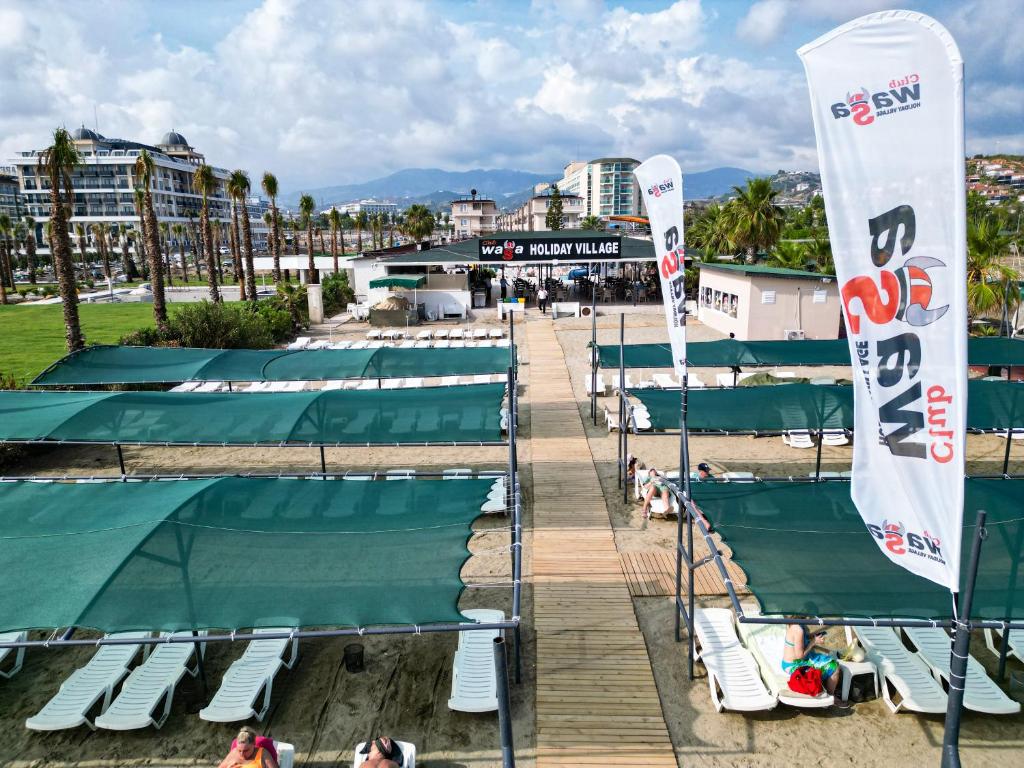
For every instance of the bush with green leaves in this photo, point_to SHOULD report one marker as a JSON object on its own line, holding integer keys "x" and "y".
{"x": 278, "y": 320}
{"x": 337, "y": 293}
{"x": 218, "y": 325}
{"x": 143, "y": 337}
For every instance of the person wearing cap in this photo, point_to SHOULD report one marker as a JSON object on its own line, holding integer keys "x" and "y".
{"x": 245, "y": 754}
{"x": 704, "y": 471}
{"x": 382, "y": 752}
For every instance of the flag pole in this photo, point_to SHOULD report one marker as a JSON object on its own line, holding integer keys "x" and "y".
{"x": 960, "y": 653}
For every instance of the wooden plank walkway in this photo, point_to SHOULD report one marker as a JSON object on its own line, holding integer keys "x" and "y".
{"x": 597, "y": 703}
{"x": 653, "y": 574}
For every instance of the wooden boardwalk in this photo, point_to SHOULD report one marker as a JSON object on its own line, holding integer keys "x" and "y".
{"x": 652, "y": 573}
{"x": 597, "y": 703}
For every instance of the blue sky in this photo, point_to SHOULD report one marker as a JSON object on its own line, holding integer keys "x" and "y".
{"x": 333, "y": 92}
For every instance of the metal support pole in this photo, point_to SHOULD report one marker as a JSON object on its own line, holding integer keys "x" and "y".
{"x": 1006, "y": 453}
{"x": 508, "y": 757}
{"x": 1004, "y": 651}
{"x": 624, "y": 429}
{"x": 593, "y": 366}
{"x": 323, "y": 461}
{"x": 684, "y": 478}
{"x": 817, "y": 460}
{"x": 202, "y": 665}
{"x": 959, "y": 655}
{"x": 120, "y": 462}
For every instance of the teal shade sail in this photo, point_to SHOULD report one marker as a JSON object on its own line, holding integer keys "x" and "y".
{"x": 102, "y": 365}
{"x": 232, "y": 553}
{"x": 399, "y": 282}
{"x": 460, "y": 414}
{"x": 726, "y": 353}
{"x": 806, "y": 551}
{"x": 991, "y": 405}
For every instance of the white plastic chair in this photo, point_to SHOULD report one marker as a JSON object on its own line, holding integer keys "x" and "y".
{"x": 285, "y": 754}
{"x": 901, "y": 671}
{"x": 981, "y": 694}
{"x": 19, "y": 653}
{"x": 474, "y": 682}
{"x": 252, "y": 672}
{"x": 151, "y": 682}
{"x": 70, "y": 707}
{"x": 733, "y": 674}
{"x": 798, "y": 438}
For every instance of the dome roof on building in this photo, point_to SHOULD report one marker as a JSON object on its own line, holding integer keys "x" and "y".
{"x": 84, "y": 134}
{"x": 174, "y": 139}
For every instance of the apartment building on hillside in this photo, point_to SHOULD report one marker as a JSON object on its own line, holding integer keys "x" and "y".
{"x": 606, "y": 186}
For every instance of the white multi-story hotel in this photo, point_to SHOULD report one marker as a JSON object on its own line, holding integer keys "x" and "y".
{"x": 606, "y": 185}
{"x": 369, "y": 207}
{"x": 105, "y": 182}
{"x": 532, "y": 215}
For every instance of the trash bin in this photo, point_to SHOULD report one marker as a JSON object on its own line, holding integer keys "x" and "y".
{"x": 479, "y": 299}
{"x": 353, "y": 657}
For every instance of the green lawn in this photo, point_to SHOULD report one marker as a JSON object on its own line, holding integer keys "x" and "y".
{"x": 33, "y": 337}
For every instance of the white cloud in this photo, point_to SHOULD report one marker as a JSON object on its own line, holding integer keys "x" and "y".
{"x": 764, "y": 21}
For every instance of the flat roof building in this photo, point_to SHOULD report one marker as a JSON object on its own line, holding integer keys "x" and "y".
{"x": 369, "y": 207}
{"x": 532, "y": 215}
{"x": 10, "y": 197}
{"x": 768, "y": 303}
{"x": 606, "y": 185}
{"x": 473, "y": 216}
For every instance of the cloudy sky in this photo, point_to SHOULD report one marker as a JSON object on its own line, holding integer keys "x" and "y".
{"x": 335, "y": 92}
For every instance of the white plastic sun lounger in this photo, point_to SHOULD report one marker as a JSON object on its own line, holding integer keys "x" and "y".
{"x": 901, "y": 671}
{"x": 666, "y": 381}
{"x": 615, "y": 382}
{"x": 474, "y": 682}
{"x": 400, "y": 474}
{"x": 981, "y": 694}
{"x": 739, "y": 477}
{"x": 19, "y": 653}
{"x": 457, "y": 473}
{"x": 413, "y": 383}
{"x": 834, "y": 437}
{"x": 503, "y": 343}
{"x": 392, "y": 383}
{"x": 443, "y": 344}
{"x": 602, "y": 386}
{"x": 318, "y": 344}
{"x": 496, "y": 333}
{"x": 457, "y": 344}
{"x": 456, "y": 333}
{"x": 151, "y": 682}
{"x": 449, "y": 381}
{"x": 407, "y": 344}
{"x": 339, "y": 345}
{"x": 424, "y": 334}
{"x": 441, "y": 333}
{"x": 424, "y": 344}
{"x": 300, "y": 343}
{"x": 332, "y": 385}
{"x": 209, "y": 386}
{"x": 375, "y": 345}
{"x": 360, "y": 344}
{"x": 373, "y": 333}
{"x": 733, "y": 674}
{"x": 408, "y": 754}
{"x": 480, "y": 333}
{"x": 1016, "y": 642}
{"x": 187, "y": 386}
{"x": 798, "y": 438}
{"x": 765, "y": 642}
{"x": 87, "y": 685}
{"x": 251, "y": 673}
{"x": 482, "y": 378}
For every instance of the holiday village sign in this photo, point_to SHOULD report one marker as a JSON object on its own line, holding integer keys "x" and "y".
{"x": 568, "y": 248}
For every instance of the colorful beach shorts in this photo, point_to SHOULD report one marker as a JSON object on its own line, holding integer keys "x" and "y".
{"x": 825, "y": 662}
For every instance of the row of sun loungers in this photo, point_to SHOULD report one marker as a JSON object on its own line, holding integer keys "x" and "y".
{"x": 465, "y": 343}
{"x": 411, "y": 382}
{"x": 745, "y": 669}
{"x": 478, "y": 334}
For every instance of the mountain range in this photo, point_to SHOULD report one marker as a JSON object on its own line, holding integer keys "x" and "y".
{"x": 435, "y": 187}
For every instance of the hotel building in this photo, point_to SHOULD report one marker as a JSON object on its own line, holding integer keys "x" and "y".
{"x": 531, "y": 216}
{"x": 369, "y": 207}
{"x": 606, "y": 185}
{"x": 473, "y": 216}
{"x": 10, "y": 201}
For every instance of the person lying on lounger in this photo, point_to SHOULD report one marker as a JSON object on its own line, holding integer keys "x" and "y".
{"x": 654, "y": 484}
{"x": 245, "y": 754}
{"x": 382, "y": 752}
{"x": 801, "y": 650}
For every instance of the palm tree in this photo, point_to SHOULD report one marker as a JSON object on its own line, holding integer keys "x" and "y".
{"x": 788, "y": 255}
{"x": 178, "y": 230}
{"x": 419, "y": 222}
{"x": 239, "y": 182}
{"x": 592, "y": 222}
{"x": 195, "y": 243}
{"x": 57, "y": 161}
{"x": 334, "y": 220}
{"x": 5, "y": 226}
{"x": 755, "y": 221}
{"x": 988, "y": 278}
{"x": 82, "y": 238}
{"x": 710, "y": 232}
{"x": 139, "y": 236}
{"x": 99, "y": 234}
{"x": 820, "y": 249}
{"x": 205, "y": 184}
{"x": 361, "y": 221}
{"x": 20, "y": 235}
{"x": 306, "y": 206}
{"x": 145, "y": 172}
{"x": 30, "y": 248}
{"x": 237, "y": 185}
{"x": 346, "y": 223}
{"x": 165, "y": 246}
{"x": 269, "y": 185}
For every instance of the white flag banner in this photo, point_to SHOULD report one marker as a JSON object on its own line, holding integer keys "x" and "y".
{"x": 887, "y": 98}
{"x": 661, "y": 184}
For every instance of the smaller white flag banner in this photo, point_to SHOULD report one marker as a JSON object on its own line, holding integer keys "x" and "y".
{"x": 887, "y": 100}
{"x": 661, "y": 184}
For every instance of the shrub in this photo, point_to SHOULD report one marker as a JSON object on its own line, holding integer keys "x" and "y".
{"x": 279, "y": 321}
{"x": 142, "y": 337}
{"x": 337, "y": 293}
{"x": 49, "y": 290}
{"x": 219, "y": 326}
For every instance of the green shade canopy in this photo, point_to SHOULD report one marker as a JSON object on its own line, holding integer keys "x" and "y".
{"x": 726, "y": 353}
{"x": 232, "y": 552}
{"x": 806, "y": 551}
{"x": 100, "y": 365}
{"x": 990, "y": 405}
{"x": 463, "y": 414}
{"x": 399, "y": 282}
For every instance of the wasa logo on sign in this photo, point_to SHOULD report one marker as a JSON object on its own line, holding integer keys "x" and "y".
{"x": 657, "y": 190}
{"x": 899, "y": 304}
{"x": 899, "y": 541}
{"x": 508, "y": 249}
{"x": 863, "y": 106}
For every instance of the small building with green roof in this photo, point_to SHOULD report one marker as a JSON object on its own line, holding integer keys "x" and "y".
{"x": 756, "y": 302}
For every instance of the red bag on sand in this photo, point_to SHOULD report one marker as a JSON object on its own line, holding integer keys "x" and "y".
{"x": 806, "y": 680}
